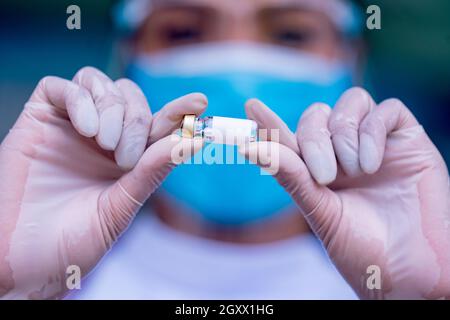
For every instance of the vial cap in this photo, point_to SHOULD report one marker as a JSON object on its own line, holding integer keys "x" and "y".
{"x": 187, "y": 126}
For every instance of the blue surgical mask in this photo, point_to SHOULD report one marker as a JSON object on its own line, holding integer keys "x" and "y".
{"x": 229, "y": 74}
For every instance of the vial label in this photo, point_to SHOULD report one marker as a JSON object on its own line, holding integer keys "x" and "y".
{"x": 230, "y": 131}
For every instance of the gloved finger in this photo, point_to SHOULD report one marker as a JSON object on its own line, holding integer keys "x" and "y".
{"x": 109, "y": 102}
{"x": 129, "y": 193}
{"x": 390, "y": 116}
{"x": 169, "y": 118}
{"x": 315, "y": 143}
{"x": 136, "y": 125}
{"x": 293, "y": 175}
{"x": 348, "y": 113}
{"x": 69, "y": 97}
{"x": 270, "y": 126}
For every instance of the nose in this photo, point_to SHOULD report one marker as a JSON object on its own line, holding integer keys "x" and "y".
{"x": 242, "y": 28}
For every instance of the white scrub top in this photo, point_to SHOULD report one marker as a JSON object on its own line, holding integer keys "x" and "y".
{"x": 153, "y": 261}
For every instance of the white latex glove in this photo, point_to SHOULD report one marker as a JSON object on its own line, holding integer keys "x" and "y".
{"x": 373, "y": 188}
{"x": 66, "y": 192}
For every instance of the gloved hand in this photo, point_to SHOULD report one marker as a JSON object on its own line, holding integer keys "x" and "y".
{"x": 373, "y": 188}
{"x": 75, "y": 169}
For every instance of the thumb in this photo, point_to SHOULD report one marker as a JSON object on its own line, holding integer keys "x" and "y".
{"x": 319, "y": 204}
{"x": 121, "y": 201}
{"x": 271, "y": 127}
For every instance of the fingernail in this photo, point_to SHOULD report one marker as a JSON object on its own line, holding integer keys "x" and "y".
{"x": 175, "y": 138}
{"x": 348, "y": 155}
{"x": 253, "y": 103}
{"x": 111, "y": 122}
{"x": 129, "y": 156}
{"x": 87, "y": 119}
{"x": 198, "y": 143}
{"x": 368, "y": 154}
{"x": 319, "y": 163}
{"x": 242, "y": 149}
{"x": 248, "y": 147}
{"x": 199, "y": 100}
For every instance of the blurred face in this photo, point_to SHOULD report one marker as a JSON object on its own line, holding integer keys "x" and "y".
{"x": 286, "y": 80}
{"x": 286, "y": 23}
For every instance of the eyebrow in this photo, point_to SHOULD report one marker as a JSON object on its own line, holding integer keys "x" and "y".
{"x": 167, "y": 5}
{"x": 182, "y": 4}
{"x": 287, "y": 8}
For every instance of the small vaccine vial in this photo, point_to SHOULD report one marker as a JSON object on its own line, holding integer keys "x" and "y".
{"x": 220, "y": 130}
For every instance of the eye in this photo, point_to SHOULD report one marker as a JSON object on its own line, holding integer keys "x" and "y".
{"x": 182, "y": 34}
{"x": 292, "y": 37}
